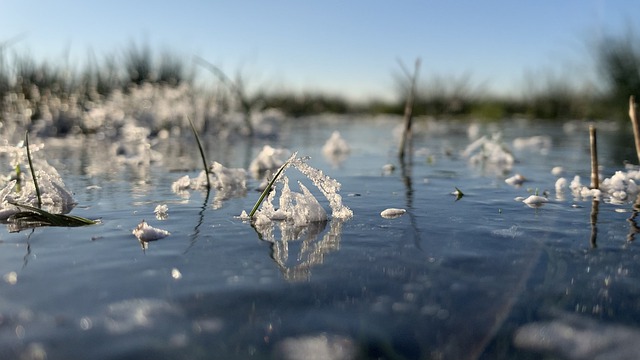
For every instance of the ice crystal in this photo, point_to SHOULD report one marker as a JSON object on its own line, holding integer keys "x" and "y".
{"x": 328, "y": 186}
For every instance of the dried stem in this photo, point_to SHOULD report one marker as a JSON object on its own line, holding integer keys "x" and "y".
{"x": 408, "y": 109}
{"x": 633, "y": 114}
{"x": 595, "y": 181}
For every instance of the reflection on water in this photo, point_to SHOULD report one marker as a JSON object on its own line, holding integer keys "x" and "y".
{"x": 311, "y": 251}
{"x": 633, "y": 225}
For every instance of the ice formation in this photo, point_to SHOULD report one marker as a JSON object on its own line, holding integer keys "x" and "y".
{"x": 145, "y": 232}
{"x": 535, "y": 201}
{"x": 489, "y": 151}
{"x": 55, "y": 197}
{"x": 392, "y": 213}
{"x": 303, "y": 208}
{"x": 161, "y": 211}
{"x": 269, "y": 159}
{"x": 299, "y": 208}
{"x": 228, "y": 183}
{"x": 335, "y": 148}
{"x": 328, "y": 186}
{"x": 515, "y": 180}
{"x": 541, "y": 143}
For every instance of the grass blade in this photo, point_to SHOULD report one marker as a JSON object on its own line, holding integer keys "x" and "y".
{"x": 33, "y": 171}
{"x": 204, "y": 160}
{"x": 267, "y": 190}
{"x": 33, "y": 216}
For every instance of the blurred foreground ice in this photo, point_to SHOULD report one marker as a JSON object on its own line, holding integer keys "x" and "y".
{"x": 576, "y": 337}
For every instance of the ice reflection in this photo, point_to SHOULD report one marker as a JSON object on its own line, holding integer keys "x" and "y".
{"x": 312, "y": 249}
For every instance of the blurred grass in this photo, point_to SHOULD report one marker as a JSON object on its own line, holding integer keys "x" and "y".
{"x": 544, "y": 96}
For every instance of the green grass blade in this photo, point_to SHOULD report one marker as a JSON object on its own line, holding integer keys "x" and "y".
{"x": 204, "y": 160}
{"x": 33, "y": 171}
{"x": 38, "y": 217}
{"x": 267, "y": 190}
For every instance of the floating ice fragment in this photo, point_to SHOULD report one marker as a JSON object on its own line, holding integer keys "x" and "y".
{"x": 489, "y": 151}
{"x": 541, "y": 143}
{"x": 336, "y": 148}
{"x": 535, "y": 201}
{"x": 515, "y": 180}
{"x": 161, "y": 212}
{"x": 268, "y": 159}
{"x": 182, "y": 184}
{"x": 387, "y": 169}
{"x": 144, "y": 232}
{"x": 392, "y": 213}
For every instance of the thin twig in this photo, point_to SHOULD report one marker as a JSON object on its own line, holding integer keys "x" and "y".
{"x": 408, "y": 109}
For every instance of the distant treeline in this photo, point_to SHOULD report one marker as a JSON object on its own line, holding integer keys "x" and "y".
{"x": 617, "y": 60}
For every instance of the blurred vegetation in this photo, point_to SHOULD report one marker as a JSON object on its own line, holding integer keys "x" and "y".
{"x": 544, "y": 96}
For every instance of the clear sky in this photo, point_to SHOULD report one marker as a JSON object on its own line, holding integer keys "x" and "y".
{"x": 338, "y": 46}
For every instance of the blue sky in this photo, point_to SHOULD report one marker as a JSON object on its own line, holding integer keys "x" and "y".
{"x": 341, "y": 47}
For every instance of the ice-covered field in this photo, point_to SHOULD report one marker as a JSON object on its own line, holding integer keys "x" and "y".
{"x": 487, "y": 243}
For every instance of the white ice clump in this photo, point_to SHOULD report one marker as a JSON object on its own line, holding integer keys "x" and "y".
{"x": 622, "y": 186}
{"x": 535, "y": 201}
{"x": 515, "y": 180}
{"x": 300, "y": 208}
{"x": 303, "y": 208}
{"x": 161, "y": 211}
{"x": 392, "y": 213}
{"x": 490, "y": 151}
{"x": 336, "y": 148}
{"x": 55, "y": 197}
{"x": 269, "y": 159}
{"x": 228, "y": 183}
{"x": 328, "y": 186}
{"x": 541, "y": 143}
{"x": 561, "y": 185}
{"x": 145, "y": 232}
